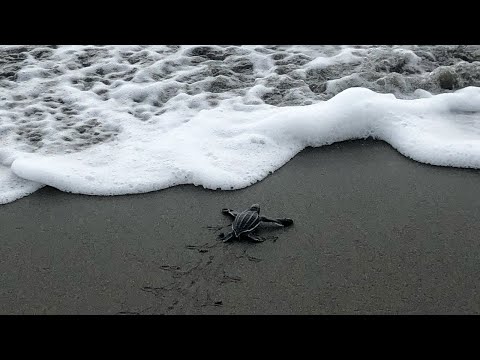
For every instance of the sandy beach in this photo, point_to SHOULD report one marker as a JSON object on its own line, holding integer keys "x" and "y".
{"x": 374, "y": 233}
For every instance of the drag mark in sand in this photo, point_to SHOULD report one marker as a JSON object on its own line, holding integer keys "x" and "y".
{"x": 129, "y": 312}
{"x": 200, "y": 248}
{"x": 229, "y": 278}
{"x": 156, "y": 290}
{"x": 196, "y": 287}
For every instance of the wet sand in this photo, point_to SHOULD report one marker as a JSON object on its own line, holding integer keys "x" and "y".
{"x": 374, "y": 233}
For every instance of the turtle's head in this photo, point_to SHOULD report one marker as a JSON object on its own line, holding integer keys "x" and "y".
{"x": 255, "y": 207}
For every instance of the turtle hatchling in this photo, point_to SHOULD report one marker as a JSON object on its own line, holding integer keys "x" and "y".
{"x": 247, "y": 221}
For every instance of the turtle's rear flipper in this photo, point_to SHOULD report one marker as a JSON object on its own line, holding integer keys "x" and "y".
{"x": 228, "y": 237}
{"x": 255, "y": 238}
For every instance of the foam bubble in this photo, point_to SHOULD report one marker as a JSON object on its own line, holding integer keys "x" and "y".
{"x": 345, "y": 56}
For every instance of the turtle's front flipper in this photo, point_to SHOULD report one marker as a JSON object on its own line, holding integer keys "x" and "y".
{"x": 254, "y": 238}
{"x": 228, "y": 237}
{"x": 283, "y": 222}
{"x": 230, "y": 212}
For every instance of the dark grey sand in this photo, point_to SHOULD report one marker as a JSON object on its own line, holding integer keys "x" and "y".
{"x": 374, "y": 233}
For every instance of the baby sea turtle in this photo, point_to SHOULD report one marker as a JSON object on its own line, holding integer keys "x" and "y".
{"x": 248, "y": 220}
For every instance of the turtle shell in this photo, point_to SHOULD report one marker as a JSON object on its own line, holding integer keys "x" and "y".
{"x": 245, "y": 221}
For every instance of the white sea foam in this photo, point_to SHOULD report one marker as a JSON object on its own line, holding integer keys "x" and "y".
{"x": 126, "y": 119}
{"x": 230, "y": 148}
{"x": 12, "y": 187}
{"x": 345, "y": 56}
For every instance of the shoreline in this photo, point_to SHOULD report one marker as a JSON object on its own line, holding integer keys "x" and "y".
{"x": 374, "y": 233}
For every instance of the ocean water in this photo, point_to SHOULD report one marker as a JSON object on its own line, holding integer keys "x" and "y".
{"x": 111, "y": 120}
